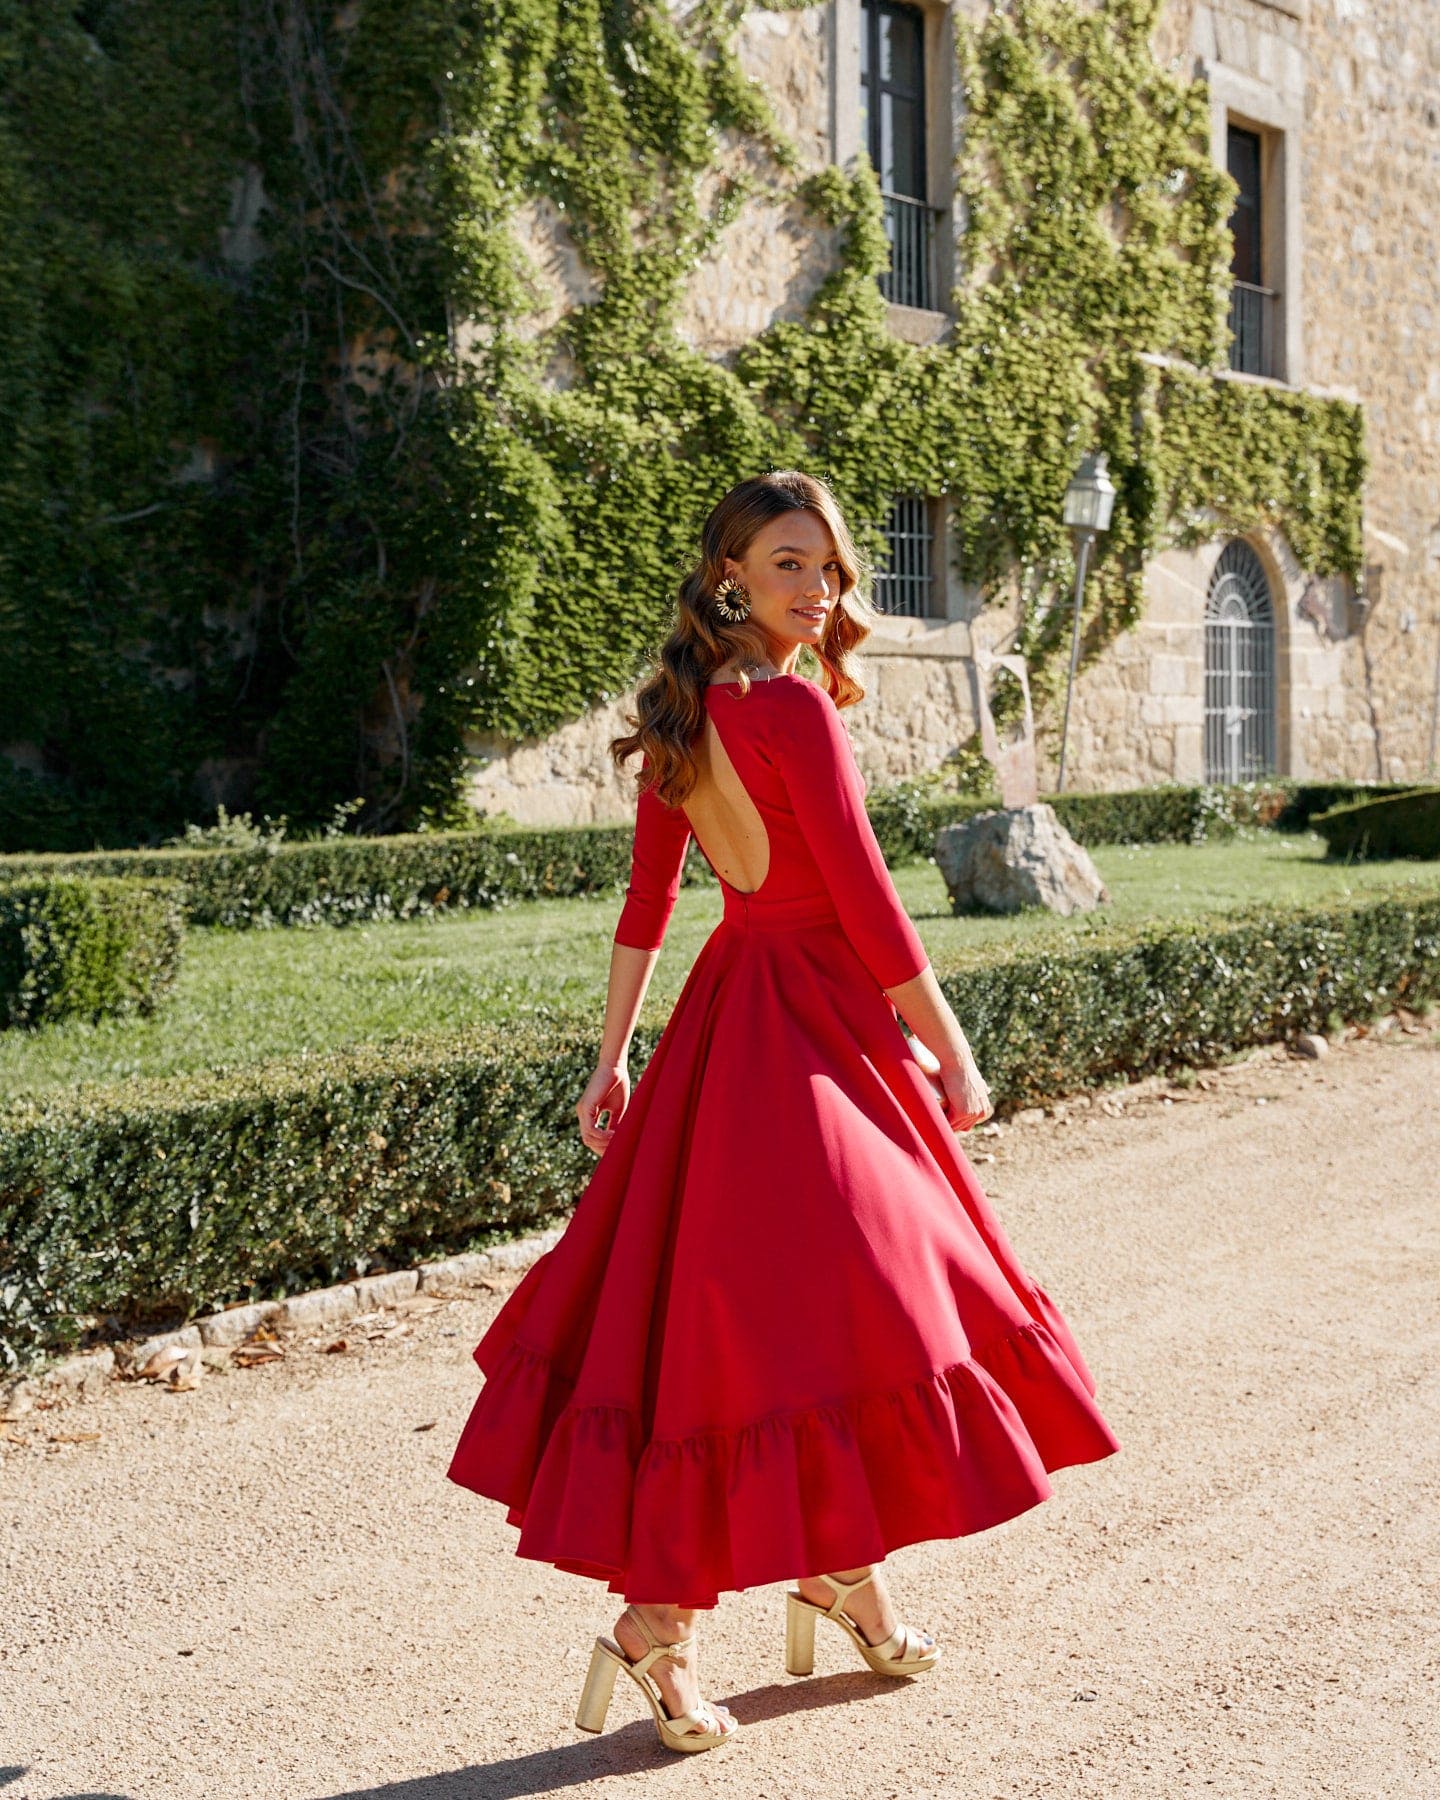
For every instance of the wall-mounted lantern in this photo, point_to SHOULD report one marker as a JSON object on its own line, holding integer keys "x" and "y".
{"x": 1089, "y": 501}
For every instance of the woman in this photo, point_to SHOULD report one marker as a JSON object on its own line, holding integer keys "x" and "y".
{"x": 783, "y": 1332}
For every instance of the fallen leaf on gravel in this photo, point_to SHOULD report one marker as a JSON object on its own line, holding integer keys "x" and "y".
{"x": 185, "y": 1376}
{"x": 429, "y": 1425}
{"x": 252, "y": 1353}
{"x": 73, "y": 1437}
{"x": 162, "y": 1362}
{"x": 423, "y": 1303}
{"x": 338, "y": 1348}
{"x": 16, "y": 1410}
{"x": 177, "y": 1370}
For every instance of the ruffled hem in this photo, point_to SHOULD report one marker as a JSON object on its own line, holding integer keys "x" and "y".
{"x": 791, "y": 1494}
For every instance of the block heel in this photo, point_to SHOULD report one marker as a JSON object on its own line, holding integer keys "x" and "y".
{"x": 599, "y": 1686}
{"x": 799, "y": 1636}
{"x": 697, "y": 1729}
{"x": 800, "y": 1616}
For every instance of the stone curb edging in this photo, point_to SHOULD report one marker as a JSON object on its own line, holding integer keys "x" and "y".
{"x": 85, "y": 1374}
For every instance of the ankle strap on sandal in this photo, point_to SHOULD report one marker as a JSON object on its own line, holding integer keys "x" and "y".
{"x": 657, "y": 1649}
{"x": 843, "y": 1589}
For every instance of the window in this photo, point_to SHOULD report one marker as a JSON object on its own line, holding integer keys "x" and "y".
{"x": 905, "y": 583}
{"x": 1252, "y": 303}
{"x": 1256, "y": 130}
{"x": 892, "y": 130}
{"x": 1239, "y": 669}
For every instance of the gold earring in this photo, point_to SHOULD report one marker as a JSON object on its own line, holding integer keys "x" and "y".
{"x": 730, "y": 585}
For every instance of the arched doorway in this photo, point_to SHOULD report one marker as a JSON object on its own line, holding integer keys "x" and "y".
{"x": 1239, "y": 669}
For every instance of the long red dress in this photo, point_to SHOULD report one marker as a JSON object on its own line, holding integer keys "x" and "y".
{"x": 783, "y": 1332}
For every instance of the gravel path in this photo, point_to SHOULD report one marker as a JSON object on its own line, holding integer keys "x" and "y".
{"x": 266, "y": 1588}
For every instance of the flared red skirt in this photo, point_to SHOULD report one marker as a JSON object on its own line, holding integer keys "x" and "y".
{"x": 783, "y": 1331}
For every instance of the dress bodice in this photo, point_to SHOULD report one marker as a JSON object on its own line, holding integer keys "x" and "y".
{"x": 790, "y": 750}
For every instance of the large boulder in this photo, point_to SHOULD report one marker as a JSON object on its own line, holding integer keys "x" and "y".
{"x": 1020, "y": 856}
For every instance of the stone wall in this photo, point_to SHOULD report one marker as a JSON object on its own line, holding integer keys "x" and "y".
{"x": 1350, "y": 92}
{"x": 1361, "y": 76}
{"x": 771, "y": 258}
{"x": 916, "y": 708}
{"x": 1139, "y": 712}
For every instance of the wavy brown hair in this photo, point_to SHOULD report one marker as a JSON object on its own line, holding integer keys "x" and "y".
{"x": 670, "y": 701}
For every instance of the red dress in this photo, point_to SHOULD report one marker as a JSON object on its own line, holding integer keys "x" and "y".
{"x": 783, "y": 1332}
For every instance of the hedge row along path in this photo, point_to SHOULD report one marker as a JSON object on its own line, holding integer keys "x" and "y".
{"x": 266, "y": 1585}
{"x": 190, "y": 1193}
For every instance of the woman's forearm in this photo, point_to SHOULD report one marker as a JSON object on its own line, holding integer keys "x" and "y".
{"x": 630, "y": 971}
{"x": 926, "y": 1011}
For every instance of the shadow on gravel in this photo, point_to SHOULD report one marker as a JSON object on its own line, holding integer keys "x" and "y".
{"x": 7, "y": 1775}
{"x": 625, "y": 1749}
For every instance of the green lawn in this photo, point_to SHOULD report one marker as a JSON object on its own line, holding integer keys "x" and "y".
{"x": 247, "y": 995}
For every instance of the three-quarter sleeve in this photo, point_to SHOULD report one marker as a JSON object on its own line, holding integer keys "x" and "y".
{"x": 812, "y": 751}
{"x": 657, "y": 858}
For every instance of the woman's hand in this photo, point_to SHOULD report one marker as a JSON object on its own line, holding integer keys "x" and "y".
{"x": 959, "y": 1087}
{"x": 963, "y": 1095}
{"x": 608, "y": 1090}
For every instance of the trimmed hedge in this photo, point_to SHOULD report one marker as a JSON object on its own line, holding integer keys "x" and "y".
{"x": 71, "y": 948}
{"x": 160, "y": 1198}
{"x": 1162, "y": 997}
{"x": 336, "y": 881}
{"x": 906, "y": 817}
{"x": 339, "y": 880}
{"x": 164, "y": 1198}
{"x": 1405, "y": 824}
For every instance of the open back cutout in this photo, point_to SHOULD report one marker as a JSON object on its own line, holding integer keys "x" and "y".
{"x": 725, "y": 820}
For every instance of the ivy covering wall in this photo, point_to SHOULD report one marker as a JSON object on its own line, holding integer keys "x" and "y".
{"x": 292, "y": 484}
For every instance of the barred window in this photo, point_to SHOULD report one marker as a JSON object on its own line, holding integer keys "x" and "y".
{"x": 905, "y": 578}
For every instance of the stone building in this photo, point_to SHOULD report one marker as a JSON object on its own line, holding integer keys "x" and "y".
{"x": 1327, "y": 114}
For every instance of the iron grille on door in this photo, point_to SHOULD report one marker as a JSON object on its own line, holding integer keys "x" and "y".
{"x": 906, "y": 583}
{"x": 1239, "y": 669}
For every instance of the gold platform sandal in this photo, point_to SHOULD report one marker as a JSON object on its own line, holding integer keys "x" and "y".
{"x": 800, "y": 1617}
{"x": 698, "y": 1729}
